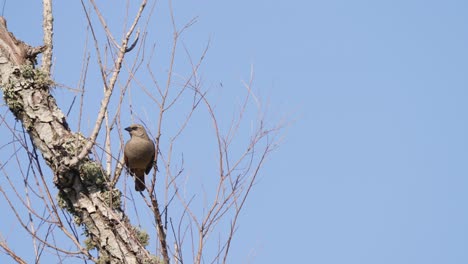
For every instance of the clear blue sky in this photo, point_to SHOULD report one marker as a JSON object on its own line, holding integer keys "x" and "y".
{"x": 374, "y": 167}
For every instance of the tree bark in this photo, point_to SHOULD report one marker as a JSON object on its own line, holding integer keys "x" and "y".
{"x": 82, "y": 186}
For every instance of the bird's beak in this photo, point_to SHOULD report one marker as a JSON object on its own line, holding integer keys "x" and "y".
{"x": 128, "y": 129}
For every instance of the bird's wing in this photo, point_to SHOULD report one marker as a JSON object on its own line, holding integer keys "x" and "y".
{"x": 150, "y": 164}
{"x": 126, "y": 160}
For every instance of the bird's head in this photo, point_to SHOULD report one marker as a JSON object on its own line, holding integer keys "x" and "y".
{"x": 137, "y": 130}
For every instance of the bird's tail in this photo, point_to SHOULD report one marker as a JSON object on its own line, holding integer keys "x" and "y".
{"x": 140, "y": 182}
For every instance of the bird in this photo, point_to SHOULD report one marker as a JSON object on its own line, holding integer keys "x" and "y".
{"x": 139, "y": 154}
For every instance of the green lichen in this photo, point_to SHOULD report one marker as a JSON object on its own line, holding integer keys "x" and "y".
{"x": 91, "y": 174}
{"x": 103, "y": 260}
{"x": 64, "y": 203}
{"x": 78, "y": 220}
{"x": 153, "y": 260}
{"x": 24, "y": 77}
{"x": 36, "y": 77}
{"x": 90, "y": 244}
{"x": 16, "y": 107}
{"x": 13, "y": 100}
{"x": 142, "y": 236}
{"x": 112, "y": 198}
{"x": 73, "y": 144}
{"x": 27, "y": 71}
{"x": 43, "y": 79}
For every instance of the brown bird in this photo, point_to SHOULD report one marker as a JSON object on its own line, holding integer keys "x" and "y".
{"x": 139, "y": 154}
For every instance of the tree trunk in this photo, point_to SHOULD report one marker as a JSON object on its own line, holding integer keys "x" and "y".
{"x": 82, "y": 186}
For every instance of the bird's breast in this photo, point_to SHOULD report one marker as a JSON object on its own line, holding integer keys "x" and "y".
{"x": 139, "y": 153}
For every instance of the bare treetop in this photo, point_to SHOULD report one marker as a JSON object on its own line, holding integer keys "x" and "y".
{"x": 94, "y": 213}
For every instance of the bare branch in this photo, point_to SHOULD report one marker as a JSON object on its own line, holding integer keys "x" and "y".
{"x": 110, "y": 88}
{"x": 11, "y": 253}
{"x": 47, "y": 25}
{"x": 86, "y": 171}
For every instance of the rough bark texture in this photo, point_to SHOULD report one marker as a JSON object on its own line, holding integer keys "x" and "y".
{"x": 82, "y": 188}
